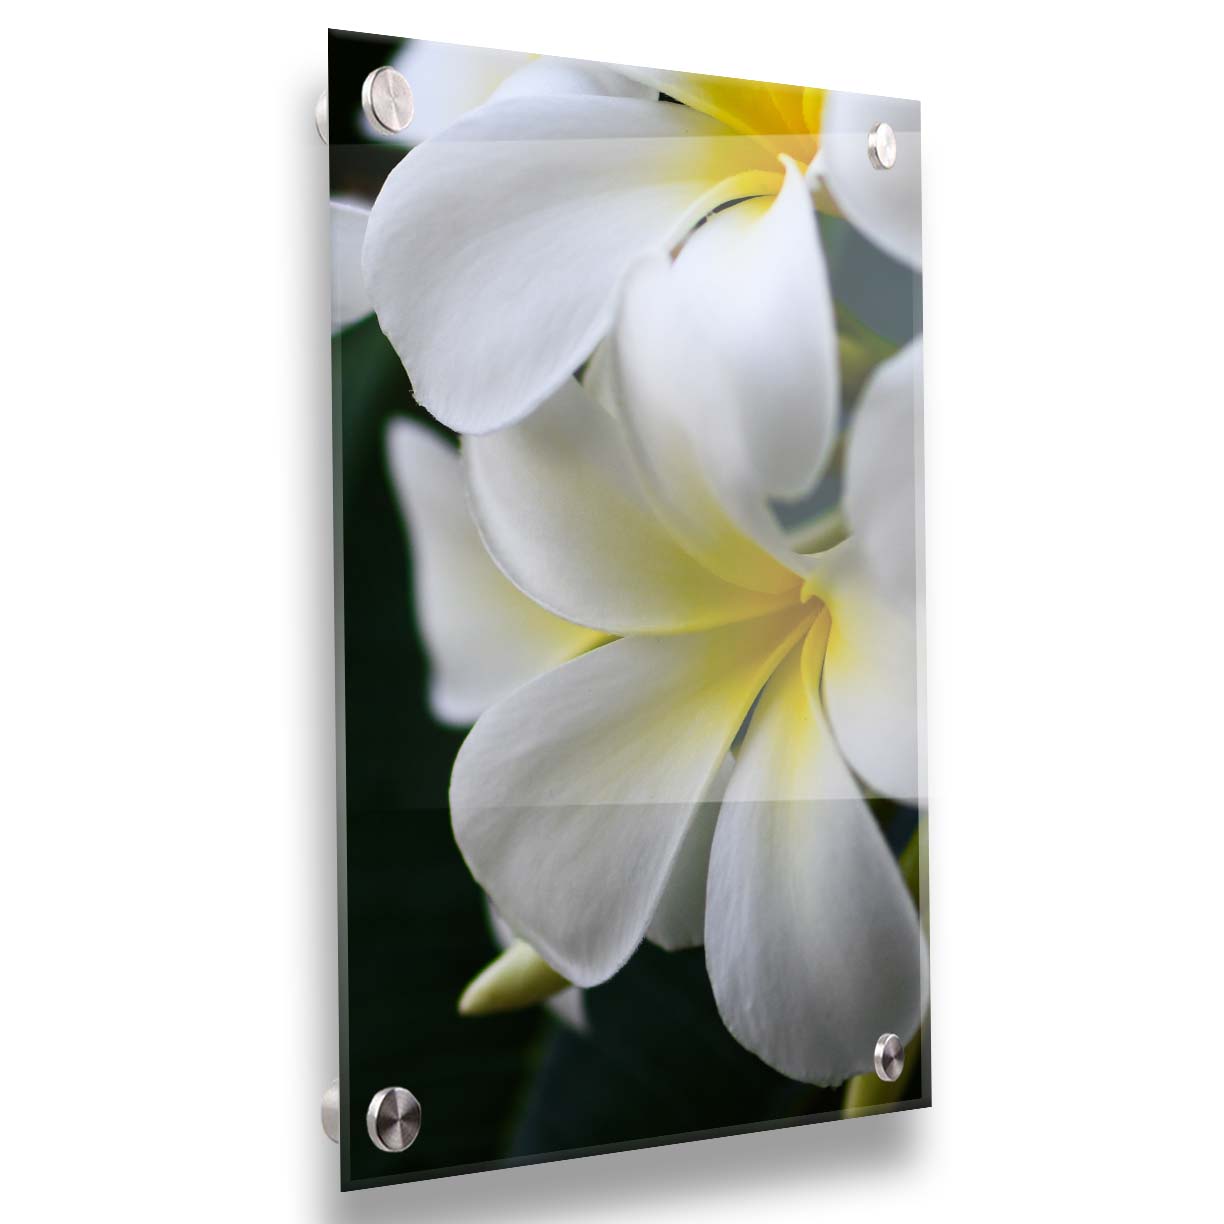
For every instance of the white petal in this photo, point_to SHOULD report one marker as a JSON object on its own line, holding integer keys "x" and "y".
{"x": 684, "y": 416}
{"x": 570, "y": 1005}
{"x": 753, "y": 278}
{"x": 348, "y": 229}
{"x": 563, "y": 514}
{"x": 552, "y": 75}
{"x": 886, "y": 205}
{"x": 447, "y": 81}
{"x": 880, "y": 494}
{"x": 571, "y": 798}
{"x": 483, "y": 637}
{"x": 494, "y": 250}
{"x": 870, "y": 677}
{"x": 679, "y": 919}
{"x": 570, "y": 1008}
{"x": 812, "y": 942}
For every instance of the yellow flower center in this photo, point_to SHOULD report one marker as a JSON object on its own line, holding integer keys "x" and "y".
{"x": 782, "y": 118}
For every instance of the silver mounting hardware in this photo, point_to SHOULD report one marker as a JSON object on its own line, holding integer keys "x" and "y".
{"x": 882, "y": 146}
{"x": 386, "y": 98}
{"x": 889, "y": 1057}
{"x": 393, "y": 1119}
{"x": 331, "y": 1111}
{"x": 321, "y": 125}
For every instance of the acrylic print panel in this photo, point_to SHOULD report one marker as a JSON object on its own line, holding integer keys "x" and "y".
{"x": 628, "y": 374}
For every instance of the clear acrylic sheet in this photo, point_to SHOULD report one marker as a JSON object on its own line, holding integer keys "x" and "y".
{"x": 631, "y": 695}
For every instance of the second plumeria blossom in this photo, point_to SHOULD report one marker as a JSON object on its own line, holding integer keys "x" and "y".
{"x": 700, "y": 779}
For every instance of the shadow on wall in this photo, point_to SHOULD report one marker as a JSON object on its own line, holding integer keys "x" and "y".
{"x": 653, "y": 1178}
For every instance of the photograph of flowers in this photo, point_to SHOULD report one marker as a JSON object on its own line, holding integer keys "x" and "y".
{"x": 627, "y": 383}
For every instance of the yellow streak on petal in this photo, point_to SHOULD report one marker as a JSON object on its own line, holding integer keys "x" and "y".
{"x": 788, "y": 99}
{"x": 812, "y": 661}
{"x": 813, "y": 109}
{"x": 751, "y": 107}
{"x": 781, "y": 118}
{"x": 859, "y": 620}
{"x": 519, "y": 977}
{"x": 746, "y": 106}
{"x": 745, "y": 185}
{"x": 834, "y": 583}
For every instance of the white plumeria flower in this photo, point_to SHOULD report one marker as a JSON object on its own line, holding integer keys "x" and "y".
{"x": 597, "y": 804}
{"x": 495, "y": 250}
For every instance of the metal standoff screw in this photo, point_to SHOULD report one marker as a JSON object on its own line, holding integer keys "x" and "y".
{"x": 882, "y": 146}
{"x": 386, "y": 99}
{"x": 889, "y": 1057}
{"x": 393, "y": 1119}
{"x": 331, "y": 1111}
{"x": 321, "y": 124}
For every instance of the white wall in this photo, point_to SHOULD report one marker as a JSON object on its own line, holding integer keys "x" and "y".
{"x": 167, "y": 890}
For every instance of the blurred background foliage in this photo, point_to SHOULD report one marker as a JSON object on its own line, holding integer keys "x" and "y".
{"x": 656, "y": 1061}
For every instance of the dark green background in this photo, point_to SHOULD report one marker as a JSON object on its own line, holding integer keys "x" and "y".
{"x": 658, "y": 1062}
